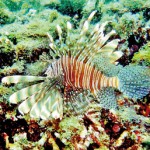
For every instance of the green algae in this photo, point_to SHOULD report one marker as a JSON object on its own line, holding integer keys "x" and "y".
{"x": 26, "y": 49}
{"x": 6, "y": 45}
{"x": 26, "y": 39}
{"x": 70, "y": 126}
{"x": 127, "y": 24}
{"x": 5, "y": 92}
{"x": 51, "y": 3}
{"x": 72, "y": 7}
{"x": 36, "y": 68}
{"x": 6, "y": 16}
{"x": 135, "y": 4}
{"x": 143, "y": 56}
{"x": 17, "y": 67}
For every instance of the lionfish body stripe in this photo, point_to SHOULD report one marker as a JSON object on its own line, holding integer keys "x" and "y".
{"x": 78, "y": 74}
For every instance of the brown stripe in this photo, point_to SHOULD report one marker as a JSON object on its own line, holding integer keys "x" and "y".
{"x": 63, "y": 67}
{"x": 85, "y": 76}
{"x": 99, "y": 80}
{"x": 95, "y": 79}
{"x": 107, "y": 82}
{"x": 69, "y": 68}
{"x": 76, "y": 73}
{"x": 81, "y": 75}
{"x": 91, "y": 77}
{"x": 73, "y": 71}
{"x": 87, "y": 79}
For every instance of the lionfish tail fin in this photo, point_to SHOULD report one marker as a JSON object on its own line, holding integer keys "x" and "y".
{"x": 20, "y": 78}
{"x": 134, "y": 81}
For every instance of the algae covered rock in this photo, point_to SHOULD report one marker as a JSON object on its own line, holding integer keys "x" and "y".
{"x": 134, "y": 5}
{"x": 36, "y": 68}
{"x": 6, "y": 16}
{"x": 127, "y": 24}
{"x": 30, "y": 38}
{"x": 72, "y": 7}
{"x": 50, "y": 3}
{"x": 6, "y": 45}
{"x": 17, "y": 67}
{"x": 143, "y": 56}
{"x": 26, "y": 49}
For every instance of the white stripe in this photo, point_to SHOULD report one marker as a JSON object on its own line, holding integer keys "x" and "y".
{"x": 76, "y": 72}
{"x": 96, "y": 81}
{"x": 79, "y": 73}
{"x": 84, "y": 77}
{"x": 102, "y": 81}
{"x": 72, "y": 71}
{"x": 114, "y": 79}
{"x": 105, "y": 81}
{"x": 65, "y": 69}
{"x": 93, "y": 84}
{"x": 89, "y": 70}
{"x": 110, "y": 82}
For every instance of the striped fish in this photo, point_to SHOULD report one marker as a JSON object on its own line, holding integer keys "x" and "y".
{"x": 75, "y": 72}
{"x": 78, "y": 74}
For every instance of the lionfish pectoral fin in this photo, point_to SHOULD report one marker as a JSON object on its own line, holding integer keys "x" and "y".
{"x": 107, "y": 98}
{"x": 48, "y": 104}
{"x": 53, "y": 106}
{"x": 40, "y": 102}
{"x": 134, "y": 81}
{"x": 25, "y": 93}
{"x": 20, "y": 78}
{"x": 26, "y": 105}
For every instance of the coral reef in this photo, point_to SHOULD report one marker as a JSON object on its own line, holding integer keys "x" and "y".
{"x": 24, "y": 50}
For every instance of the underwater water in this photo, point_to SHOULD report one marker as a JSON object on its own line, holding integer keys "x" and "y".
{"x": 75, "y": 74}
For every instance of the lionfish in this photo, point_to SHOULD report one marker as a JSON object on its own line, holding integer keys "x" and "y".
{"x": 75, "y": 70}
